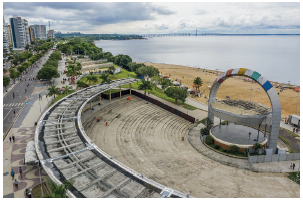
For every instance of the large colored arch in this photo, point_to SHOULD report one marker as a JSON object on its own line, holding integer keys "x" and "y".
{"x": 266, "y": 85}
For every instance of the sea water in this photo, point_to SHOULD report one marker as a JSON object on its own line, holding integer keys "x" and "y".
{"x": 275, "y": 57}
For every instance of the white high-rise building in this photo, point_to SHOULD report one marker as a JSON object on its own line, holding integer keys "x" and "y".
{"x": 19, "y": 33}
{"x": 5, "y": 36}
{"x": 27, "y": 32}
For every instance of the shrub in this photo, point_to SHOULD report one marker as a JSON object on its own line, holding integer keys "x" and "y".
{"x": 205, "y": 131}
{"x": 209, "y": 140}
{"x": 225, "y": 150}
{"x": 217, "y": 146}
{"x": 234, "y": 149}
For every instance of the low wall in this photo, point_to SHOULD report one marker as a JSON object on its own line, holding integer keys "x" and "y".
{"x": 151, "y": 100}
{"x": 274, "y": 158}
{"x": 91, "y": 62}
{"x": 96, "y": 67}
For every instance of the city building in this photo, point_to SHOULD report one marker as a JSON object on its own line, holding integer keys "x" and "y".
{"x": 31, "y": 31}
{"x": 18, "y": 27}
{"x": 57, "y": 32}
{"x": 50, "y": 34}
{"x": 9, "y": 33}
{"x": 27, "y": 32}
{"x": 40, "y": 31}
{"x": 5, "y": 36}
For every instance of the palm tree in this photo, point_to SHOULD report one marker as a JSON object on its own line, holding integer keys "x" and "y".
{"x": 79, "y": 67}
{"x": 94, "y": 79}
{"x": 145, "y": 85}
{"x": 105, "y": 78}
{"x": 59, "y": 191}
{"x": 198, "y": 81}
{"x": 67, "y": 89}
{"x": 53, "y": 91}
{"x": 88, "y": 78}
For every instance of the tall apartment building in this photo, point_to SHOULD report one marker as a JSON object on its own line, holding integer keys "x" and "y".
{"x": 40, "y": 31}
{"x": 27, "y": 32}
{"x": 5, "y": 36}
{"x": 19, "y": 36}
{"x": 31, "y": 31}
{"x": 50, "y": 34}
{"x": 9, "y": 33}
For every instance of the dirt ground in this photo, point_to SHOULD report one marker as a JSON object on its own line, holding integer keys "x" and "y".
{"x": 234, "y": 88}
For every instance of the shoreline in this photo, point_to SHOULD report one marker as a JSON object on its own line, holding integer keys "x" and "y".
{"x": 212, "y": 71}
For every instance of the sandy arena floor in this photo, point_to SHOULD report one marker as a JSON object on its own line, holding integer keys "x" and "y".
{"x": 148, "y": 140}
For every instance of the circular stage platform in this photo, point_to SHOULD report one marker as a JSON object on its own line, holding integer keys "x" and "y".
{"x": 232, "y": 134}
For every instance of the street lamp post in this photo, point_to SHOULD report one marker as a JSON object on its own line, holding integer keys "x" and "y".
{"x": 251, "y": 92}
{"x": 38, "y": 162}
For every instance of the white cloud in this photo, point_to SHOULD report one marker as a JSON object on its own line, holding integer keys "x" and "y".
{"x": 161, "y": 17}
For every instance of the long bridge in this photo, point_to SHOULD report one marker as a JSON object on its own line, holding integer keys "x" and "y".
{"x": 179, "y": 34}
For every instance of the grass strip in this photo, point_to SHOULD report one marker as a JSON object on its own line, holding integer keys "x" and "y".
{"x": 287, "y": 143}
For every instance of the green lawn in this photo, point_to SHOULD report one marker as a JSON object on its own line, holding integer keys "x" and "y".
{"x": 293, "y": 176}
{"x": 59, "y": 97}
{"x": 126, "y": 74}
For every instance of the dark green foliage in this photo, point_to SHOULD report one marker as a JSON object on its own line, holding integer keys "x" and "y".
{"x": 47, "y": 73}
{"x": 209, "y": 140}
{"x": 205, "y": 131}
{"x": 234, "y": 149}
{"x": 6, "y": 81}
{"x": 145, "y": 85}
{"x": 217, "y": 146}
{"x": 225, "y": 150}
{"x": 59, "y": 191}
{"x": 178, "y": 94}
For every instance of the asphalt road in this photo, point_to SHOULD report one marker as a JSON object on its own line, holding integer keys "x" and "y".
{"x": 10, "y": 104}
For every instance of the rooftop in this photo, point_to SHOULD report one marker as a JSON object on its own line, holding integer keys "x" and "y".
{"x": 241, "y": 107}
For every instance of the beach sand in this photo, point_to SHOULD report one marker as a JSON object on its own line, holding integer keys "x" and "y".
{"x": 234, "y": 88}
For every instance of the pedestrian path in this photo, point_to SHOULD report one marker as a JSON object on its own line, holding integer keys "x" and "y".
{"x": 13, "y": 153}
{"x": 13, "y": 105}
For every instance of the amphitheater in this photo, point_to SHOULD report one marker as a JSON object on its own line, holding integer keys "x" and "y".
{"x": 139, "y": 154}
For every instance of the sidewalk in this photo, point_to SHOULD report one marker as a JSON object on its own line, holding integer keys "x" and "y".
{"x": 13, "y": 153}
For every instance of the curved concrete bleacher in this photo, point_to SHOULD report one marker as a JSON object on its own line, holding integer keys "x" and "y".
{"x": 147, "y": 139}
{"x": 65, "y": 152}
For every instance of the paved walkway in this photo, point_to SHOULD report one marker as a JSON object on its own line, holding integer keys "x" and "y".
{"x": 13, "y": 153}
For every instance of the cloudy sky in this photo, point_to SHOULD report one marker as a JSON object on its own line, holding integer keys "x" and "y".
{"x": 158, "y": 17}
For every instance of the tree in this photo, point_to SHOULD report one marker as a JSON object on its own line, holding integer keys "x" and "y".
{"x": 89, "y": 78}
{"x": 111, "y": 70}
{"x": 94, "y": 79}
{"x": 198, "y": 81}
{"x": 78, "y": 67}
{"x": 6, "y": 81}
{"x": 257, "y": 147}
{"x": 67, "y": 89}
{"x": 27, "y": 47}
{"x": 13, "y": 74}
{"x": 59, "y": 191}
{"x": 105, "y": 78}
{"x": 164, "y": 82}
{"x": 81, "y": 84}
{"x": 176, "y": 93}
{"x": 4, "y": 70}
{"x": 155, "y": 80}
{"x": 145, "y": 85}
{"x": 53, "y": 90}
{"x": 148, "y": 71}
{"x": 47, "y": 73}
